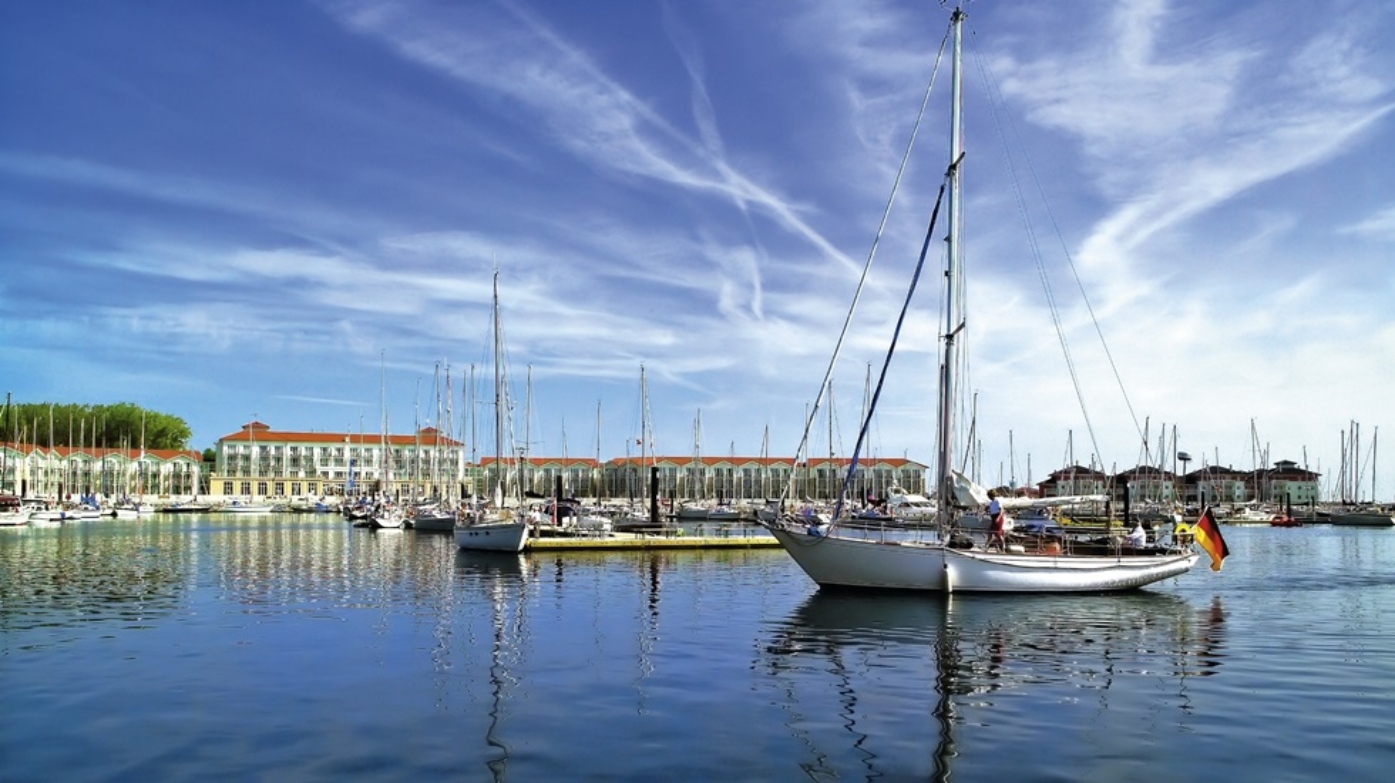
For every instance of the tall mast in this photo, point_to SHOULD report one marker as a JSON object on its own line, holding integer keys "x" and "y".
{"x": 953, "y": 254}
{"x": 699, "y": 488}
{"x": 443, "y": 418}
{"x": 470, "y": 404}
{"x": 1374, "y": 433}
{"x": 383, "y": 425}
{"x": 10, "y": 438}
{"x": 498, "y": 404}
{"x": 643, "y": 418}
{"x": 1012, "y": 462}
{"x": 830, "y": 439}
{"x": 1356, "y": 461}
{"x": 416, "y": 442}
{"x": 765, "y": 462}
{"x": 526, "y": 469}
{"x": 140, "y": 466}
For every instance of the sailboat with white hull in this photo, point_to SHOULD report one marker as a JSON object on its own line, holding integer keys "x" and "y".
{"x": 496, "y": 529}
{"x": 957, "y": 559}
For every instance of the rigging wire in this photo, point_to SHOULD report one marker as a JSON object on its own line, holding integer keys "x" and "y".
{"x": 991, "y": 83}
{"x": 896, "y": 334}
{"x": 866, "y": 269}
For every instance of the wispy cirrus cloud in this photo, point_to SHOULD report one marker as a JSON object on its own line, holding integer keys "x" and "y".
{"x": 512, "y": 54}
{"x": 320, "y": 400}
{"x": 1380, "y": 226}
{"x": 1173, "y": 133}
{"x": 293, "y": 215}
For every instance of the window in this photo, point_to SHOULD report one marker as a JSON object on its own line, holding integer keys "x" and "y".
{"x": 261, "y": 489}
{"x": 227, "y": 487}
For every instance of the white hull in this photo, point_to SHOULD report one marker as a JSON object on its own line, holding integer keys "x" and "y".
{"x": 592, "y": 523}
{"x": 693, "y": 512}
{"x": 504, "y": 536}
{"x": 68, "y": 515}
{"x": 257, "y": 509}
{"x": 132, "y": 512}
{"x": 846, "y": 562}
{"x": 391, "y": 521}
{"x": 910, "y": 508}
{"x": 14, "y": 518}
{"x": 1250, "y": 516}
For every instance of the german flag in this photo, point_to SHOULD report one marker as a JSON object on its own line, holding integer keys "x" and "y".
{"x": 1208, "y": 535}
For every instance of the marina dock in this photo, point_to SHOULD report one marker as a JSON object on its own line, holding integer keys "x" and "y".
{"x": 735, "y": 539}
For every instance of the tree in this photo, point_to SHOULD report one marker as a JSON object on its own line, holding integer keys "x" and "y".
{"x": 120, "y": 425}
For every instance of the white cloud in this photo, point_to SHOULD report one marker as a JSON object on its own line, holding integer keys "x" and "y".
{"x": 1379, "y": 226}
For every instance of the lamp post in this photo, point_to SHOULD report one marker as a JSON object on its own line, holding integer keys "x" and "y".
{"x": 1183, "y": 457}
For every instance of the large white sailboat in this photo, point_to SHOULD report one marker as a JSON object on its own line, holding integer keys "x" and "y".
{"x": 497, "y": 528}
{"x": 958, "y": 558}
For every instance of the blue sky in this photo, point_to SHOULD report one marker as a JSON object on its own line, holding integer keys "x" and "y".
{"x": 221, "y": 210}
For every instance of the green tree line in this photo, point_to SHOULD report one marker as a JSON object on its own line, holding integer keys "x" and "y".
{"x": 121, "y": 425}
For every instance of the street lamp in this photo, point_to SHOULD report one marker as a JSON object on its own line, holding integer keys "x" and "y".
{"x": 1183, "y": 457}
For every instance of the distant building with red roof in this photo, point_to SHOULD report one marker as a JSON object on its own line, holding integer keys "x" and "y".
{"x": 261, "y": 463}
{"x": 62, "y": 472}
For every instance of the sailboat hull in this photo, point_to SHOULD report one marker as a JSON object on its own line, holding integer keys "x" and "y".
{"x": 434, "y": 522}
{"x": 391, "y": 520}
{"x": 832, "y": 561}
{"x": 501, "y": 536}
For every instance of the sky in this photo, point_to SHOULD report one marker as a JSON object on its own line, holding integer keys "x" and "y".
{"x": 294, "y": 212}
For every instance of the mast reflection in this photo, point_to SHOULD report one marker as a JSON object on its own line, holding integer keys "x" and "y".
{"x": 499, "y": 576}
{"x": 867, "y": 649}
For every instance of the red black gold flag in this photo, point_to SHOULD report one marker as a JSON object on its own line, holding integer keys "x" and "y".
{"x": 1208, "y": 535}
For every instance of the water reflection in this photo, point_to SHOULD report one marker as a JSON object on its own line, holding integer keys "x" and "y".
{"x": 849, "y": 651}
{"x": 70, "y": 575}
{"x": 128, "y": 572}
{"x": 500, "y": 578}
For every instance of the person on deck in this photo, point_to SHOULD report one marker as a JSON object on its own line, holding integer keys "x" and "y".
{"x": 995, "y": 515}
{"x": 1138, "y": 537}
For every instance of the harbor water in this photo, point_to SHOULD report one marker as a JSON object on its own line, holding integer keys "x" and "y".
{"x": 298, "y": 648}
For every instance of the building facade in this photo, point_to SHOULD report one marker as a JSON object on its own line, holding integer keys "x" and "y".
{"x": 1215, "y": 485}
{"x": 63, "y": 472}
{"x": 1075, "y": 480}
{"x": 759, "y": 478}
{"x": 1211, "y": 485}
{"x": 260, "y": 463}
{"x": 1288, "y": 483}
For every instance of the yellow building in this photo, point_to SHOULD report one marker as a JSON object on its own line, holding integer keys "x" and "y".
{"x": 260, "y": 463}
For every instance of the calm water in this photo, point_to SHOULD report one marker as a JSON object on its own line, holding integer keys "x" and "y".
{"x": 298, "y": 648}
